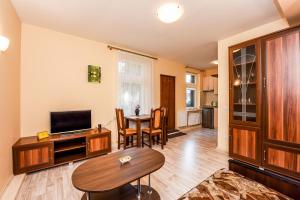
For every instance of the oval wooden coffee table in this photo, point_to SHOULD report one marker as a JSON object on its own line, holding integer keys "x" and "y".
{"x": 105, "y": 178}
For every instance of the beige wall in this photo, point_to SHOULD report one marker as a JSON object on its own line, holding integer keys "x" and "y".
{"x": 167, "y": 67}
{"x": 223, "y": 81}
{"x": 54, "y": 78}
{"x": 10, "y": 27}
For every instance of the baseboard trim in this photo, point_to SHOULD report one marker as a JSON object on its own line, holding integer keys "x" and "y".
{"x": 12, "y": 188}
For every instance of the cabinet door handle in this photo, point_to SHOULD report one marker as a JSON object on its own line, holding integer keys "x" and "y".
{"x": 265, "y": 82}
{"x": 264, "y": 155}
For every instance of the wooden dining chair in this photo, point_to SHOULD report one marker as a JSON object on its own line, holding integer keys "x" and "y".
{"x": 155, "y": 127}
{"x": 127, "y": 133}
{"x": 165, "y": 112}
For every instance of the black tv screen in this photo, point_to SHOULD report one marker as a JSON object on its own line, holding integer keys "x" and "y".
{"x": 70, "y": 121}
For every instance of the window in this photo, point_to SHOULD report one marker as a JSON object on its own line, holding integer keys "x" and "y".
{"x": 190, "y": 97}
{"x": 190, "y": 78}
{"x": 134, "y": 83}
{"x": 191, "y": 90}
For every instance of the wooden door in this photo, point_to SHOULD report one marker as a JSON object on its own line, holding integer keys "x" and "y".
{"x": 167, "y": 97}
{"x": 282, "y": 159}
{"x": 98, "y": 144}
{"x": 34, "y": 157}
{"x": 282, "y": 88}
{"x": 244, "y": 144}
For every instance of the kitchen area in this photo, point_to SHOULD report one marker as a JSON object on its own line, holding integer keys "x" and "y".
{"x": 209, "y": 99}
{"x": 204, "y": 111}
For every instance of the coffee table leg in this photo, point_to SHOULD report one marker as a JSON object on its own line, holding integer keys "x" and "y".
{"x": 149, "y": 185}
{"x": 139, "y": 189}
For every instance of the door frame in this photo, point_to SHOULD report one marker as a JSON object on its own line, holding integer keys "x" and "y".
{"x": 173, "y": 77}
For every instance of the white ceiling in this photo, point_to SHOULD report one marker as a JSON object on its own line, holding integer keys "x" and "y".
{"x": 133, "y": 23}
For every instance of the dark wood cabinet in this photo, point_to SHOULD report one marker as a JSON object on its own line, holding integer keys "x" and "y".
{"x": 208, "y": 117}
{"x": 265, "y": 109}
{"x": 98, "y": 144}
{"x": 245, "y": 98}
{"x": 32, "y": 157}
{"x": 281, "y": 125}
{"x": 245, "y": 83}
{"x": 282, "y": 159}
{"x": 245, "y": 143}
{"x": 30, "y": 154}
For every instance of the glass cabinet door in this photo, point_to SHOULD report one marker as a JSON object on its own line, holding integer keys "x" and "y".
{"x": 244, "y": 83}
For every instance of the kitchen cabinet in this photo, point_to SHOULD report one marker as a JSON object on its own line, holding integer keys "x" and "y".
{"x": 208, "y": 83}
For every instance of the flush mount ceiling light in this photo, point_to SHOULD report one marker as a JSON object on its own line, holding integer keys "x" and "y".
{"x": 215, "y": 62}
{"x": 170, "y": 12}
{"x": 4, "y": 43}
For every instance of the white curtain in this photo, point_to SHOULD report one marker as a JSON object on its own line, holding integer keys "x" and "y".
{"x": 135, "y": 84}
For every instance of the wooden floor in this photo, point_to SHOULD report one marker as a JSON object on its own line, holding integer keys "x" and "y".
{"x": 189, "y": 160}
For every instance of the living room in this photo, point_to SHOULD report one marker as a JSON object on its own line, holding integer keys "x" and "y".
{"x": 50, "y": 51}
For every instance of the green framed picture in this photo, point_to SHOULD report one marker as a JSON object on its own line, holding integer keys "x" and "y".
{"x": 94, "y": 74}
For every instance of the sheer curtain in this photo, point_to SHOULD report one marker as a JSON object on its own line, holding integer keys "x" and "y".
{"x": 135, "y": 87}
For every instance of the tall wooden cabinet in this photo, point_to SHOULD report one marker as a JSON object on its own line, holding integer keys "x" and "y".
{"x": 265, "y": 102}
{"x": 245, "y": 97}
{"x": 281, "y": 123}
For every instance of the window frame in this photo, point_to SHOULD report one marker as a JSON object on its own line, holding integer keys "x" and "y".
{"x": 195, "y": 97}
{"x": 190, "y": 83}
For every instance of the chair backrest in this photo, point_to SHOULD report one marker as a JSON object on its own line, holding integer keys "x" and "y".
{"x": 165, "y": 111}
{"x": 156, "y": 118}
{"x": 120, "y": 119}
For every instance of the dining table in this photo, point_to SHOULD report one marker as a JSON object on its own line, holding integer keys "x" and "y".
{"x": 138, "y": 120}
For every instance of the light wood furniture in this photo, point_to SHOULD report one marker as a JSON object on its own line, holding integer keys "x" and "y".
{"x": 138, "y": 120}
{"x": 216, "y": 90}
{"x": 155, "y": 127}
{"x": 265, "y": 102}
{"x": 208, "y": 84}
{"x": 127, "y": 133}
{"x": 104, "y": 174}
{"x": 30, "y": 154}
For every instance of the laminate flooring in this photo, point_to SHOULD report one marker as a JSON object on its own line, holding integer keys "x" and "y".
{"x": 189, "y": 160}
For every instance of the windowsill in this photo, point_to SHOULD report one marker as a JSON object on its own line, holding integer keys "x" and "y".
{"x": 192, "y": 109}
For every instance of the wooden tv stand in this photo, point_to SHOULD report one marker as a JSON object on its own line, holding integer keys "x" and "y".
{"x": 31, "y": 154}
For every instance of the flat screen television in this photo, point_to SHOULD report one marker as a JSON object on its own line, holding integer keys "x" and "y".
{"x": 69, "y": 121}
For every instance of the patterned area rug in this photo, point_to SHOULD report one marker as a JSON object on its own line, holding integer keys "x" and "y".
{"x": 228, "y": 185}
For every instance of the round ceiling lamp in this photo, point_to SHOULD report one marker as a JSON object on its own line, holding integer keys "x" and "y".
{"x": 170, "y": 12}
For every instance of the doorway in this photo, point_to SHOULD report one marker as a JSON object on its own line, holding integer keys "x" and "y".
{"x": 167, "y": 97}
